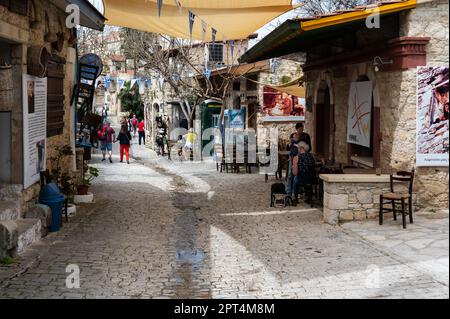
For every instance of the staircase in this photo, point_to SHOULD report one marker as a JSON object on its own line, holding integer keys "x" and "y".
{"x": 17, "y": 230}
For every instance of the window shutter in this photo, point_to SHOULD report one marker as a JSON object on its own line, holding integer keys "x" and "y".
{"x": 55, "y": 96}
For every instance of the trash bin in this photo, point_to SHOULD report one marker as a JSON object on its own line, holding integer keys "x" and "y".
{"x": 52, "y": 197}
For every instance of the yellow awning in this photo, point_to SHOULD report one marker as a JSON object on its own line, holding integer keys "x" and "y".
{"x": 233, "y": 19}
{"x": 292, "y": 88}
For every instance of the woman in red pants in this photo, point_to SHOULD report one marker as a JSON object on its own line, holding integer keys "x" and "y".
{"x": 124, "y": 138}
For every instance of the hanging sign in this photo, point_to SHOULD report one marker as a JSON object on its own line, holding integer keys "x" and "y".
{"x": 34, "y": 128}
{"x": 432, "y": 116}
{"x": 360, "y": 113}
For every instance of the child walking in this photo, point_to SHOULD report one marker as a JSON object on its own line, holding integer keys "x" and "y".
{"x": 124, "y": 138}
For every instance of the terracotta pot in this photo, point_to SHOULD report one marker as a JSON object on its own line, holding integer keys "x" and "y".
{"x": 83, "y": 190}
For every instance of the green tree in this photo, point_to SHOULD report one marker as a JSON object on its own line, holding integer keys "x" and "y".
{"x": 131, "y": 100}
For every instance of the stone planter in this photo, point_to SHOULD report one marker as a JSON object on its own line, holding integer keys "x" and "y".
{"x": 83, "y": 199}
{"x": 71, "y": 210}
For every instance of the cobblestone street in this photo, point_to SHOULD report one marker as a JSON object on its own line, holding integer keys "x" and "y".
{"x": 162, "y": 230}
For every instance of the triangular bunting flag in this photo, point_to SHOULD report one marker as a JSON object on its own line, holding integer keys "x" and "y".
{"x": 232, "y": 49}
{"x": 208, "y": 74}
{"x": 178, "y": 3}
{"x": 160, "y": 3}
{"x": 191, "y": 22}
{"x": 204, "y": 27}
{"x": 214, "y": 33}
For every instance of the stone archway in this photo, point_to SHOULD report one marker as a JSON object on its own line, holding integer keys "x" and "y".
{"x": 323, "y": 133}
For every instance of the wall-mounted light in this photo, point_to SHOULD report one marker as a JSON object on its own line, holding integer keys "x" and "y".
{"x": 378, "y": 62}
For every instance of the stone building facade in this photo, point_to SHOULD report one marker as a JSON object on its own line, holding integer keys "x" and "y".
{"x": 25, "y": 24}
{"x": 395, "y": 98}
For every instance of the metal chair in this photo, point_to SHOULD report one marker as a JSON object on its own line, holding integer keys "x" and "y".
{"x": 394, "y": 197}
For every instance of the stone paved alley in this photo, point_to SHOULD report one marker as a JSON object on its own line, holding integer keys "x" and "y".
{"x": 162, "y": 230}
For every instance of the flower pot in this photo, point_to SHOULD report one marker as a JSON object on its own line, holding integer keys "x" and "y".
{"x": 87, "y": 155}
{"x": 80, "y": 199}
{"x": 71, "y": 210}
{"x": 83, "y": 190}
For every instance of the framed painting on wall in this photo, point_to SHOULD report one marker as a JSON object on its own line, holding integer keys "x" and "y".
{"x": 282, "y": 107}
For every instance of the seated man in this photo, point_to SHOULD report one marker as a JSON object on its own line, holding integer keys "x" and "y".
{"x": 303, "y": 168}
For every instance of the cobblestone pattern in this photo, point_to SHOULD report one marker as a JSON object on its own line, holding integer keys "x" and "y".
{"x": 163, "y": 231}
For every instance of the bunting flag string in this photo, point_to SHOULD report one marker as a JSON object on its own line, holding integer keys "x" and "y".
{"x": 191, "y": 22}
{"x": 160, "y": 4}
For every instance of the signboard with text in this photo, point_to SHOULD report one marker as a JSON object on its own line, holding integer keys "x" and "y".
{"x": 34, "y": 128}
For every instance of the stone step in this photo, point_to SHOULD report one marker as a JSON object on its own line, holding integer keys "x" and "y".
{"x": 29, "y": 231}
{"x": 9, "y": 210}
{"x": 10, "y": 192}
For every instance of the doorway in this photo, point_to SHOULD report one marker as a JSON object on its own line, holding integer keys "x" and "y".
{"x": 323, "y": 122}
{"x": 5, "y": 147}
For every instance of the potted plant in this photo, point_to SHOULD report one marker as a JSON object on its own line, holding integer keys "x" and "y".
{"x": 64, "y": 180}
{"x": 90, "y": 174}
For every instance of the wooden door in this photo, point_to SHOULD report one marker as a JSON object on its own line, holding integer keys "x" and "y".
{"x": 323, "y": 125}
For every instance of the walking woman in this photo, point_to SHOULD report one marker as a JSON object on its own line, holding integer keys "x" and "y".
{"x": 124, "y": 138}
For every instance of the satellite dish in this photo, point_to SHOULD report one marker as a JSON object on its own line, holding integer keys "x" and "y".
{"x": 94, "y": 60}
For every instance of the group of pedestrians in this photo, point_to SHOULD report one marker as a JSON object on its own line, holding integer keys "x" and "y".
{"x": 301, "y": 161}
{"x": 107, "y": 137}
{"x": 137, "y": 127}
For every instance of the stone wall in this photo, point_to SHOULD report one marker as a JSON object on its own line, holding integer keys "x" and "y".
{"x": 345, "y": 202}
{"x": 16, "y": 29}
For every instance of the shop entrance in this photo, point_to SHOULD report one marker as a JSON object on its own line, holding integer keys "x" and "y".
{"x": 5, "y": 147}
{"x": 323, "y": 122}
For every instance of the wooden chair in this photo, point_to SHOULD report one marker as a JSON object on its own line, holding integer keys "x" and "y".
{"x": 401, "y": 197}
{"x": 221, "y": 162}
{"x": 310, "y": 190}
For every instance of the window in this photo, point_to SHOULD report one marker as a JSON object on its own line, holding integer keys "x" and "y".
{"x": 216, "y": 53}
{"x": 251, "y": 83}
{"x": 237, "y": 86}
{"x": 361, "y": 155}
